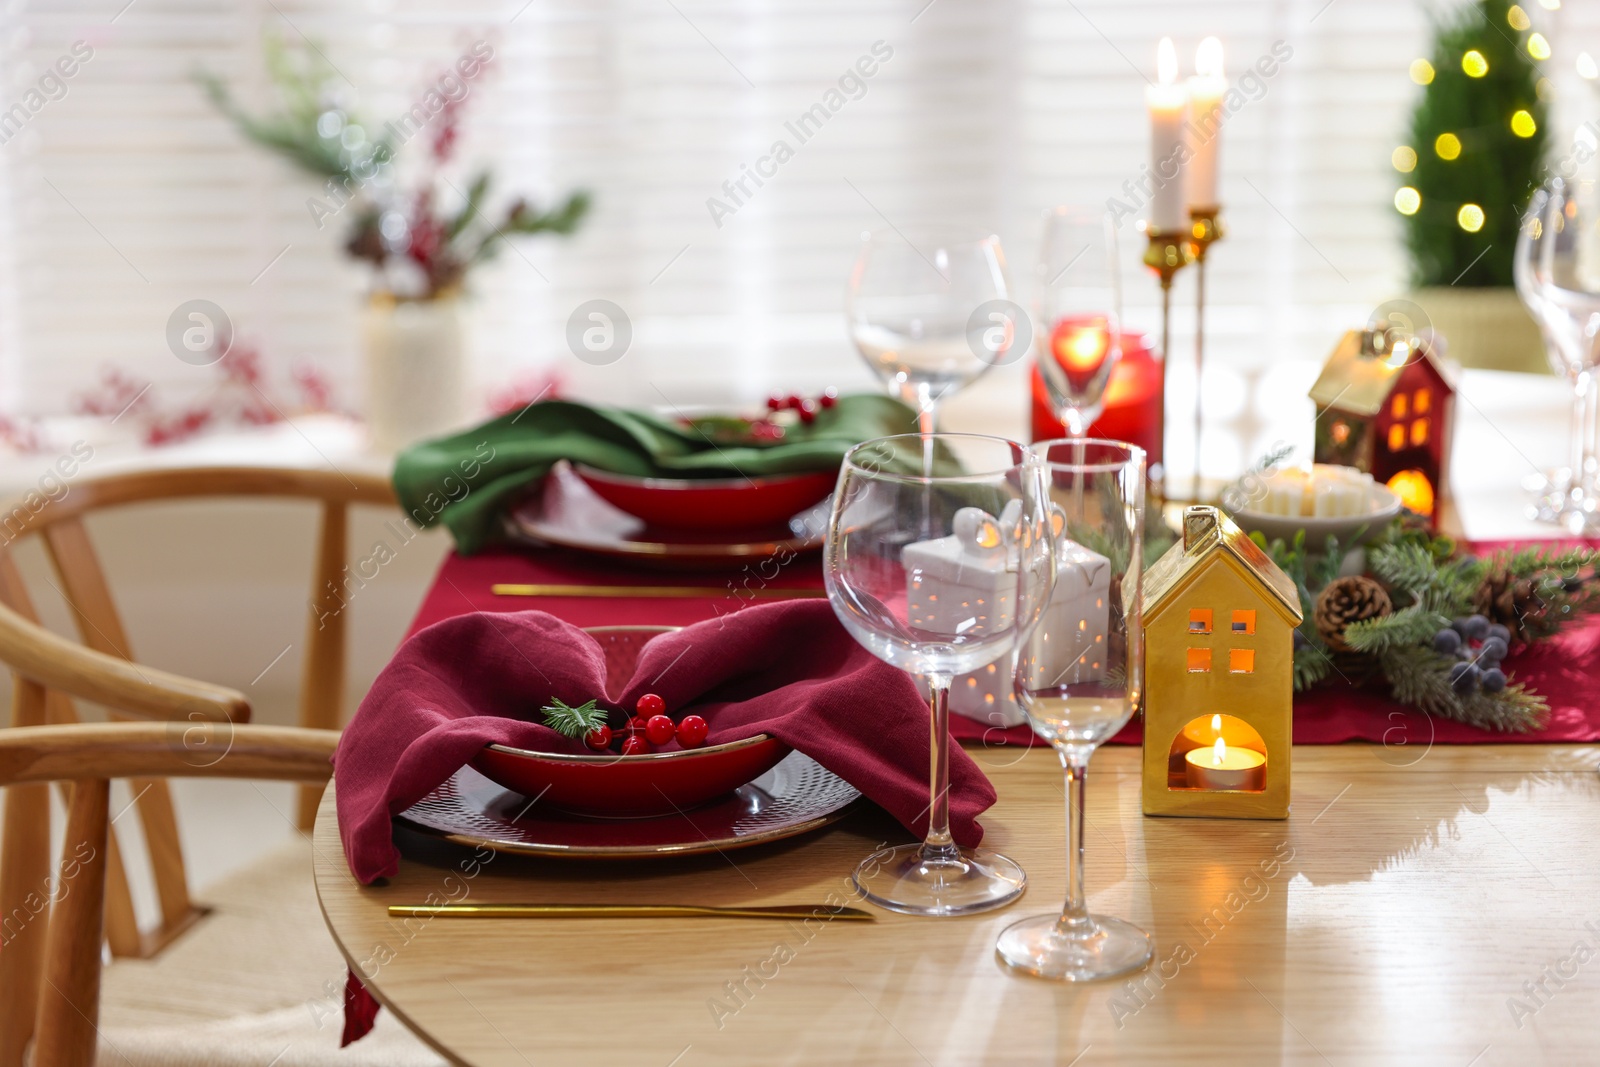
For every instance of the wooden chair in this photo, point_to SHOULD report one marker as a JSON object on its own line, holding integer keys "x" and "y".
{"x": 50, "y": 965}
{"x": 109, "y": 677}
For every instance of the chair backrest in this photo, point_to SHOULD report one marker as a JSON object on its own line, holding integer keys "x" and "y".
{"x": 110, "y": 677}
{"x": 53, "y": 935}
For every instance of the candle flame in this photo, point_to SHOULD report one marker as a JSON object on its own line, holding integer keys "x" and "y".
{"x": 1208, "y": 58}
{"x": 1216, "y": 725}
{"x": 1219, "y": 753}
{"x": 1166, "y": 62}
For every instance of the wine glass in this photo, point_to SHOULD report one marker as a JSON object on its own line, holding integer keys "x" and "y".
{"x": 1079, "y": 312}
{"x": 1080, "y": 677}
{"x": 1557, "y": 274}
{"x": 933, "y": 540}
{"x": 911, "y": 314}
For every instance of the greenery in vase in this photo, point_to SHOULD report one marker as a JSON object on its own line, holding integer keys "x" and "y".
{"x": 420, "y": 237}
{"x": 1476, "y": 144}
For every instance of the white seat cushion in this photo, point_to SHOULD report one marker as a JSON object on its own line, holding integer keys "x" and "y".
{"x": 258, "y": 981}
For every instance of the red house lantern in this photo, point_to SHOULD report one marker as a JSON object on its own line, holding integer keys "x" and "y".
{"x": 1385, "y": 403}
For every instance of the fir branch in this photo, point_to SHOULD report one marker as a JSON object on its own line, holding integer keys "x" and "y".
{"x": 1535, "y": 562}
{"x": 1406, "y": 566}
{"x": 1420, "y": 677}
{"x": 1311, "y": 665}
{"x": 1412, "y": 568}
{"x": 1414, "y": 625}
{"x": 572, "y": 722}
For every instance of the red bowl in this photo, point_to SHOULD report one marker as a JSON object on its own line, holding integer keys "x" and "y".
{"x": 609, "y": 785}
{"x": 710, "y": 503}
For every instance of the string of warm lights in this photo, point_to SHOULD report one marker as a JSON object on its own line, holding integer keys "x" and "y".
{"x": 1448, "y": 146}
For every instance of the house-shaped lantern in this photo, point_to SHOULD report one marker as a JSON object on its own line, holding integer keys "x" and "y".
{"x": 1385, "y": 400}
{"x": 1219, "y": 619}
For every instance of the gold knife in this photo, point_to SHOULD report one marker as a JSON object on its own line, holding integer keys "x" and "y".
{"x": 677, "y": 592}
{"x": 627, "y": 911}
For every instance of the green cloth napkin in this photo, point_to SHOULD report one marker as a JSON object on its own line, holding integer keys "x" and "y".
{"x": 468, "y": 480}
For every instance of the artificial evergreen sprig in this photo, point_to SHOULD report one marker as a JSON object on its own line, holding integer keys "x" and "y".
{"x": 1420, "y": 677}
{"x": 568, "y": 721}
{"x": 1414, "y": 625}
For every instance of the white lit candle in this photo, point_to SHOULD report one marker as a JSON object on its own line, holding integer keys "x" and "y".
{"x": 1206, "y": 90}
{"x": 1168, "y": 104}
{"x": 1221, "y": 767}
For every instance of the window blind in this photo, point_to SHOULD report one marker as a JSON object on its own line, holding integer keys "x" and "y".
{"x": 127, "y": 194}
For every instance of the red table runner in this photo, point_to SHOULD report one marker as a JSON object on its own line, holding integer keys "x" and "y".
{"x": 1565, "y": 669}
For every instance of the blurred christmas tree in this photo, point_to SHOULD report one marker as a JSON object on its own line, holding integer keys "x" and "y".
{"x": 1477, "y": 142}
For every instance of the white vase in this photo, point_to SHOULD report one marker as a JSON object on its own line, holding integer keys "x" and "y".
{"x": 416, "y": 369}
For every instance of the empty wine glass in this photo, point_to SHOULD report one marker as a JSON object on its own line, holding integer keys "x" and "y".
{"x": 1080, "y": 677}
{"x": 1079, "y": 312}
{"x": 910, "y": 309}
{"x": 932, "y": 542}
{"x": 1557, "y": 274}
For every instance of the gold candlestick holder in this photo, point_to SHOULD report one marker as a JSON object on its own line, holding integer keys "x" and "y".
{"x": 1205, "y": 229}
{"x": 1167, "y": 252}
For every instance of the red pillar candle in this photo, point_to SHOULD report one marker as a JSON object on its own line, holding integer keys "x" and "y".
{"x": 1133, "y": 410}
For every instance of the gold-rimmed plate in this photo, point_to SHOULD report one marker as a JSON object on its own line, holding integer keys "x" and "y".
{"x": 797, "y": 796}
{"x": 566, "y": 513}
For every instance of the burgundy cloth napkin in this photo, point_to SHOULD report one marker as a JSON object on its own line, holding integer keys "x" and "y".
{"x": 788, "y": 669}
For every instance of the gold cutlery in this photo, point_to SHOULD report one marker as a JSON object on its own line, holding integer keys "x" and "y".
{"x": 646, "y": 591}
{"x": 627, "y": 911}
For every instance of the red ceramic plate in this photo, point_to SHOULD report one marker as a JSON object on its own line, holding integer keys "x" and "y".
{"x": 710, "y": 504}
{"x": 659, "y": 783}
{"x": 605, "y": 784}
{"x": 565, "y": 512}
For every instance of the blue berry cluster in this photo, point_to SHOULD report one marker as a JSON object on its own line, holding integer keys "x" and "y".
{"x": 1478, "y": 646}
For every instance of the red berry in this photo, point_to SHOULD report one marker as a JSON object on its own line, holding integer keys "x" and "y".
{"x": 774, "y": 403}
{"x": 793, "y": 400}
{"x": 692, "y": 731}
{"x": 660, "y": 729}
{"x": 829, "y": 397}
{"x": 635, "y": 746}
{"x": 636, "y": 724}
{"x": 599, "y": 738}
{"x": 808, "y": 412}
{"x": 649, "y": 705}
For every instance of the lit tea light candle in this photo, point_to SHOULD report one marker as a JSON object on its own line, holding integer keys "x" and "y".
{"x": 1221, "y": 767}
{"x": 1203, "y": 733}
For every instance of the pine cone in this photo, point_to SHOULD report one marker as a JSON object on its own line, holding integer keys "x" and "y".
{"x": 1513, "y": 603}
{"x": 1347, "y": 600}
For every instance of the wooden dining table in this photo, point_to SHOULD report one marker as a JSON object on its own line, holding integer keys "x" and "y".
{"x": 1422, "y": 904}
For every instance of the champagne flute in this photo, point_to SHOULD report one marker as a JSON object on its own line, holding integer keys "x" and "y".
{"x": 933, "y": 542}
{"x": 1557, "y": 273}
{"x": 910, "y": 311}
{"x": 1080, "y": 313}
{"x": 1080, "y": 677}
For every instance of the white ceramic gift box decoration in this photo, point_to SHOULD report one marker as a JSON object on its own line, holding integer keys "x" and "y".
{"x": 954, "y": 583}
{"x": 966, "y": 580}
{"x": 1080, "y": 608}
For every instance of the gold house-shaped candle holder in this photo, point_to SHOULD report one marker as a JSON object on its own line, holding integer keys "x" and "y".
{"x": 1219, "y": 620}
